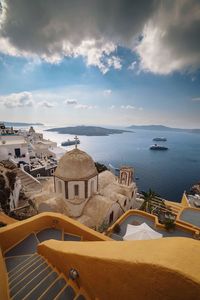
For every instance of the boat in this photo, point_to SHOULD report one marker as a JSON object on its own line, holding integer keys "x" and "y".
{"x": 160, "y": 139}
{"x": 158, "y": 147}
{"x": 70, "y": 142}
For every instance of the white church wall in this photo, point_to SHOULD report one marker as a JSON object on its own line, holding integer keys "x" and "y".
{"x": 71, "y": 191}
{"x": 92, "y": 181}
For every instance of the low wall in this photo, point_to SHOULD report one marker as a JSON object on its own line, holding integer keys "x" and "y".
{"x": 181, "y": 225}
{"x": 13, "y": 233}
{"x": 155, "y": 269}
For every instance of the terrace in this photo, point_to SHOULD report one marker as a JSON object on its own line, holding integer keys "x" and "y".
{"x": 137, "y": 217}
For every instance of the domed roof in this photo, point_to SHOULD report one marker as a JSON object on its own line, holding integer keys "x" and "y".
{"x": 76, "y": 165}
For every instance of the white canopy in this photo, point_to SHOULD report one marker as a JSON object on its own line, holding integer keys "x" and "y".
{"x": 141, "y": 232}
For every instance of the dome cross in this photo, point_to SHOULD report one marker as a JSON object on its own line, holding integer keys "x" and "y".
{"x": 76, "y": 141}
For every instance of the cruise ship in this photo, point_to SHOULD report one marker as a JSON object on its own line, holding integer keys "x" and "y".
{"x": 70, "y": 142}
{"x": 158, "y": 147}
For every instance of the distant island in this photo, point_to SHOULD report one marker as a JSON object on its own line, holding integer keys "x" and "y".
{"x": 87, "y": 130}
{"x": 12, "y": 124}
{"x": 163, "y": 128}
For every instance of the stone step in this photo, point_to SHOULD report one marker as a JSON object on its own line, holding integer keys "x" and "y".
{"x": 16, "y": 261}
{"x": 54, "y": 289}
{"x": 25, "y": 272}
{"x": 49, "y": 233}
{"x": 39, "y": 289}
{"x": 27, "y": 278}
{"x": 25, "y": 290}
{"x": 27, "y": 246}
{"x": 18, "y": 269}
{"x": 67, "y": 293}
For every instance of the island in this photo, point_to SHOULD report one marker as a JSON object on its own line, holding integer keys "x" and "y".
{"x": 163, "y": 128}
{"x": 18, "y": 124}
{"x": 87, "y": 130}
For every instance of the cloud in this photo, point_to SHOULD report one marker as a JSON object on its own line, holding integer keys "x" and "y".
{"x": 111, "y": 107}
{"x": 70, "y": 101}
{"x": 52, "y": 31}
{"x": 84, "y": 106}
{"x": 46, "y": 104}
{"x": 17, "y": 100}
{"x": 170, "y": 38}
{"x": 164, "y": 34}
{"x": 127, "y": 107}
{"x": 107, "y": 92}
{"x": 132, "y": 66}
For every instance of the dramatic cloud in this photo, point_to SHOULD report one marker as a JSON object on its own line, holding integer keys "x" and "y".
{"x": 70, "y": 101}
{"x": 17, "y": 100}
{"x": 53, "y": 30}
{"x": 170, "y": 39}
{"x": 164, "y": 34}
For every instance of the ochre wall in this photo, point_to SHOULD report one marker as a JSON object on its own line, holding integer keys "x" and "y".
{"x": 6, "y": 219}
{"x": 166, "y": 269}
{"x": 184, "y": 201}
{"x": 13, "y": 233}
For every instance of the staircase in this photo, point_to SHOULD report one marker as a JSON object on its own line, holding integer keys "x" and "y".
{"x": 28, "y": 182}
{"x": 31, "y": 277}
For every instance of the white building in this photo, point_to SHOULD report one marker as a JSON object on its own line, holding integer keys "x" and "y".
{"x": 14, "y": 147}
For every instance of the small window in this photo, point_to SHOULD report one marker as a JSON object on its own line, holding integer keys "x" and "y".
{"x": 76, "y": 190}
{"x": 132, "y": 194}
{"x": 38, "y": 175}
{"x": 125, "y": 203}
{"x": 111, "y": 217}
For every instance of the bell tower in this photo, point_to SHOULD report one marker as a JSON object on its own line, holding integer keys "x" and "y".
{"x": 126, "y": 175}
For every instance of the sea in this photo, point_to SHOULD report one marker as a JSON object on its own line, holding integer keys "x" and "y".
{"x": 168, "y": 173}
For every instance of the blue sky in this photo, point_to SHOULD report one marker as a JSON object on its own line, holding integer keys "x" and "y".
{"x": 106, "y": 82}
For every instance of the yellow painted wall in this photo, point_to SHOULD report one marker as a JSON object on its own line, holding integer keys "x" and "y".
{"x": 165, "y": 269}
{"x": 13, "y": 233}
{"x": 184, "y": 201}
{"x": 6, "y": 219}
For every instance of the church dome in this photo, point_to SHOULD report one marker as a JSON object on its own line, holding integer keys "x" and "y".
{"x": 75, "y": 165}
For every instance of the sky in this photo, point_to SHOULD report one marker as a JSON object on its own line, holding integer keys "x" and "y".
{"x": 100, "y": 62}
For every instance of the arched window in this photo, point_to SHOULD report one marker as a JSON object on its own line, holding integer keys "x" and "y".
{"x": 124, "y": 203}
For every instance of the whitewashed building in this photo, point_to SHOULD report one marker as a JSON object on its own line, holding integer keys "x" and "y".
{"x": 14, "y": 147}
